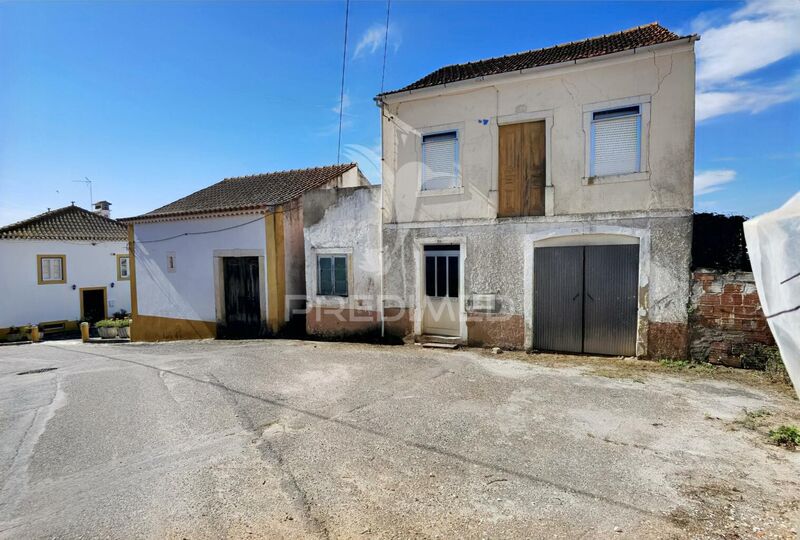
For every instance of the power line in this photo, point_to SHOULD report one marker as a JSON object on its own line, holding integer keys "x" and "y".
{"x": 341, "y": 93}
{"x": 198, "y": 233}
{"x": 385, "y": 42}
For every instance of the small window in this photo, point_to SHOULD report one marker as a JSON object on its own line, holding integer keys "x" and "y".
{"x": 332, "y": 275}
{"x": 52, "y": 269}
{"x": 123, "y": 267}
{"x": 440, "y": 161}
{"x": 171, "y": 261}
{"x": 616, "y": 141}
{"x": 441, "y": 271}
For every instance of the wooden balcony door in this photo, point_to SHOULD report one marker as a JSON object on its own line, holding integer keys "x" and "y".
{"x": 522, "y": 170}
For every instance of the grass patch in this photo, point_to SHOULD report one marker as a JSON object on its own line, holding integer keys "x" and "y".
{"x": 752, "y": 419}
{"x": 686, "y": 365}
{"x": 786, "y": 436}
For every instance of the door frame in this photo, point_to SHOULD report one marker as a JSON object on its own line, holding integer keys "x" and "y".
{"x": 586, "y": 234}
{"x": 419, "y": 262}
{"x": 105, "y": 299}
{"x": 219, "y": 281}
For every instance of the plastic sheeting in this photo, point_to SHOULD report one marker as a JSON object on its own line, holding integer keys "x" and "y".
{"x": 773, "y": 243}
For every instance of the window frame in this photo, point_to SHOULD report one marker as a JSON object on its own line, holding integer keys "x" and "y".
{"x": 447, "y": 255}
{"x": 643, "y": 173}
{"x": 39, "y": 274}
{"x": 333, "y": 257}
{"x": 121, "y": 256}
{"x": 457, "y": 188}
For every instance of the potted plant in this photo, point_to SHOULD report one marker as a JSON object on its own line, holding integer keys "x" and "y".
{"x": 107, "y": 328}
{"x": 123, "y": 328}
{"x": 15, "y": 334}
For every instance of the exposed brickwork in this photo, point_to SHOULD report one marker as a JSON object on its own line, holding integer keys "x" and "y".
{"x": 725, "y": 316}
{"x": 667, "y": 340}
{"x": 488, "y": 330}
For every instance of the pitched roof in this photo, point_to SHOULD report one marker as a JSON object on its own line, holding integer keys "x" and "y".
{"x": 68, "y": 223}
{"x": 250, "y": 192}
{"x": 641, "y": 36}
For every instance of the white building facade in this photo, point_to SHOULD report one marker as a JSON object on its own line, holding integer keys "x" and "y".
{"x": 62, "y": 267}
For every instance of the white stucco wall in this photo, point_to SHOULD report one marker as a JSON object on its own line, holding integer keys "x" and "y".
{"x": 662, "y": 77}
{"x": 189, "y": 291}
{"x": 24, "y": 301}
{"x": 344, "y": 221}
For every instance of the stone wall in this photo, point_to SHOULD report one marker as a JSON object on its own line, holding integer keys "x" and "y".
{"x": 725, "y": 317}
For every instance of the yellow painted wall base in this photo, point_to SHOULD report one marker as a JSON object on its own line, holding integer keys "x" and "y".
{"x": 150, "y": 328}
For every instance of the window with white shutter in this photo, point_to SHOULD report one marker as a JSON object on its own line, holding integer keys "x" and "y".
{"x": 51, "y": 269}
{"x": 440, "y": 161}
{"x": 616, "y": 141}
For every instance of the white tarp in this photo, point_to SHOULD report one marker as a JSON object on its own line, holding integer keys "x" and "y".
{"x": 773, "y": 243}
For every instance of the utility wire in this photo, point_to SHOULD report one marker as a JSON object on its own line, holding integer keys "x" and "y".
{"x": 198, "y": 233}
{"x": 341, "y": 93}
{"x": 385, "y": 43}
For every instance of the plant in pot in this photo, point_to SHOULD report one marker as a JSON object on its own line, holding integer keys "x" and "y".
{"x": 15, "y": 334}
{"x": 123, "y": 328}
{"x": 107, "y": 328}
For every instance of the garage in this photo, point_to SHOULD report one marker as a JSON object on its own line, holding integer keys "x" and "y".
{"x": 585, "y": 299}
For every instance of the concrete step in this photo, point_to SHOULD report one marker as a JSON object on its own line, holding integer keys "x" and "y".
{"x": 431, "y": 345}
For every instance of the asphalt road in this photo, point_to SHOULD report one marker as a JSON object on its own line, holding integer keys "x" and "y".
{"x": 296, "y": 439}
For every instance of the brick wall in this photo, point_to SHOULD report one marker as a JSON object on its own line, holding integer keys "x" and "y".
{"x": 725, "y": 317}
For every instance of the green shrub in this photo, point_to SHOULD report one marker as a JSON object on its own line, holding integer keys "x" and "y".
{"x": 105, "y": 323}
{"x": 788, "y": 436}
{"x": 122, "y": 323}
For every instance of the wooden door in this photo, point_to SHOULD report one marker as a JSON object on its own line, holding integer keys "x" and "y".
{"x": 522, "y": 170}
{"x": 242, "y": 297}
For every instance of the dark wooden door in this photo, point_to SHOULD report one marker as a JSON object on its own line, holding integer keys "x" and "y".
{"x": 94, "y": 305}
{"x": 242, "y": 297}
{"x": 521, "y": 175}
{"x": 586, "y": 299}
{"x": 611, "y": 286}
{"x": 558, "y": 299}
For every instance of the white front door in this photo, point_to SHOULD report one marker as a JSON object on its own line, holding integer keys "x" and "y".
{"x": 441, "y": 310}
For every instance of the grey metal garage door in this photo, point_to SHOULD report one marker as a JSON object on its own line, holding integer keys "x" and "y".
{"x": 585, "y": 299}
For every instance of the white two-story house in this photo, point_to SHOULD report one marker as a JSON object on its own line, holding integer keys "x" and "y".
{"x": 543, "y": 200}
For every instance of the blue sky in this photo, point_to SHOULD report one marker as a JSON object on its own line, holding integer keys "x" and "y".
{"x": 155, "y": 100}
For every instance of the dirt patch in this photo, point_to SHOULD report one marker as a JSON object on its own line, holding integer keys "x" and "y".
{"x": 639, "y": 370}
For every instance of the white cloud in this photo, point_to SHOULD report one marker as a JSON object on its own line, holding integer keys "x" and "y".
{"x": 710, "y": 181}
{"x": 372, "y": 40}
{"x": 757, "y": 35}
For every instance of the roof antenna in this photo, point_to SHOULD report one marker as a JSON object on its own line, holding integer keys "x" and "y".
{"x": 88, "y": 183}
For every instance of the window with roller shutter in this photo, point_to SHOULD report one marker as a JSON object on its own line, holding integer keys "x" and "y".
{"x": 440, "y": 161}
{"x": 616, "y": 140}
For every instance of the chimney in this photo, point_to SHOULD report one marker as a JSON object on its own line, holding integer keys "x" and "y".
{"x": 102, "y": 208}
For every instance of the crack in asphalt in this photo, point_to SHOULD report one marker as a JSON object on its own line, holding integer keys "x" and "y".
{"x": 272, "y": 454}
{"x": 380, "y": 434}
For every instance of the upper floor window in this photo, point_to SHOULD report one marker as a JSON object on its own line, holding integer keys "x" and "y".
{"x": 332, "y": 275}
{"x": 51, "y": 269}
{"x": 440, "y": 161}
{"x": 616, "y": 141}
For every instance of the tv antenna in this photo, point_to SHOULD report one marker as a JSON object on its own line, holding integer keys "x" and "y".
{"x": 88, "y": 183}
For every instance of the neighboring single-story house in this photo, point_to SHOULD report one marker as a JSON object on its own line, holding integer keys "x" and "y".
{"x": 62, "y": 267}
{"x": 342, "y": 231}
{"x": 228, "y": 260}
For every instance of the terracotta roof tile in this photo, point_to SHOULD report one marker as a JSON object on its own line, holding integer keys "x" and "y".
{"x": 250, "y": 192}
{"x": 68, "y": 223}
{"x": 641, "y": 36}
